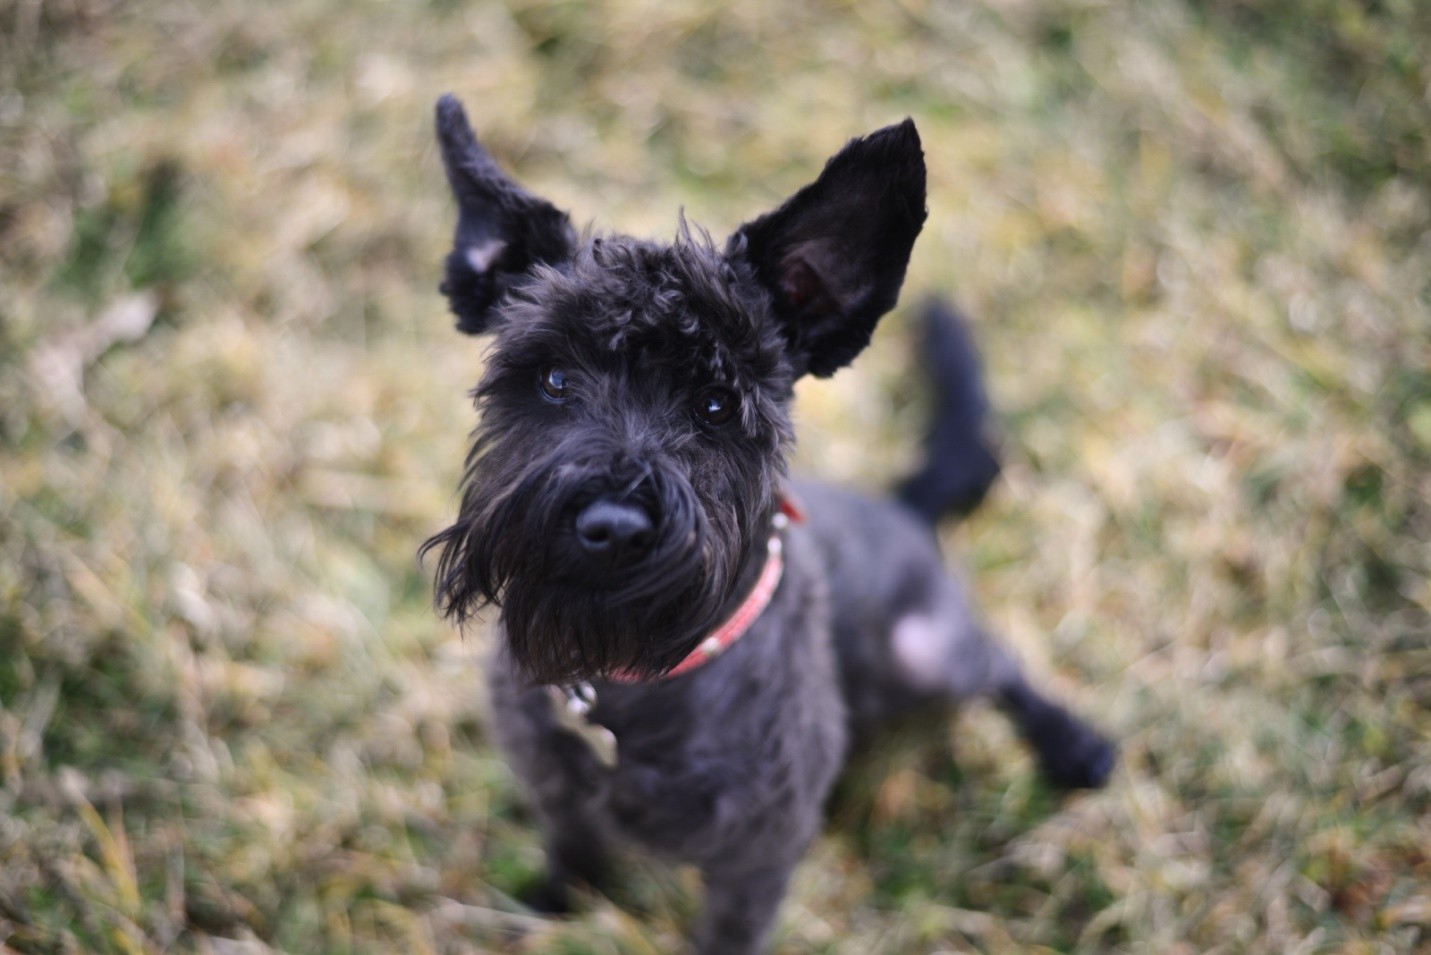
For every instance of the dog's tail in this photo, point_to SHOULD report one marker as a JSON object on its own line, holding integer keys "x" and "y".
{"x": 960, "y": 463}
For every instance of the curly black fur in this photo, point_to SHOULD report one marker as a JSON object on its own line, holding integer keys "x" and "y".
{"x": 644, "y": 389}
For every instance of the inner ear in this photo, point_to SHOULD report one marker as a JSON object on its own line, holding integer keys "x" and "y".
{"x": 801, "y": 288}
{"x": 833, "y": 255}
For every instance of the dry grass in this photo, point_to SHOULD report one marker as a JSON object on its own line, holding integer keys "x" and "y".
{"x": 1197, "y": 240}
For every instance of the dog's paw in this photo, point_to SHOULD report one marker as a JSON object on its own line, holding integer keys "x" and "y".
{"x": 547, "y": 897}
{"x": 1077, "y": 757}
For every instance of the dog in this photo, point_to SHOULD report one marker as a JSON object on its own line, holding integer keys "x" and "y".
{"x": 689, "y": 640}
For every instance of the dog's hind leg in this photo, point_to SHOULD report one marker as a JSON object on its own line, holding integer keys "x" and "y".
{"x": 944, "y": 652}
{"x": 1071, "y": 753}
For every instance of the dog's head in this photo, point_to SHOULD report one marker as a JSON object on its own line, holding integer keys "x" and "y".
{"x": 635, "y": 405}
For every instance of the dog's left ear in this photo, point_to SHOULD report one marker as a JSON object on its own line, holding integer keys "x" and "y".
{"x": 834, "y": 255}
{"x": 502, "y": 230}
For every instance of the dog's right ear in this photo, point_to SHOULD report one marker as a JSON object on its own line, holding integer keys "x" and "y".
{"x": 502, "y": 230}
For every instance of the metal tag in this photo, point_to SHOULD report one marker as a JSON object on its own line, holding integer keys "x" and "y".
{"x": 571, "y": 705}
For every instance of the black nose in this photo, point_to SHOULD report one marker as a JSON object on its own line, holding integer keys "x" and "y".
{"x": 614, "y": 530}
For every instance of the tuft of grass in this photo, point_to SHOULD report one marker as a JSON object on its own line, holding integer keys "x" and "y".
{"x": 1195, "y": 236}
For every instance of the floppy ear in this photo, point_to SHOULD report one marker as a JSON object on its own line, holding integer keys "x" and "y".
{"x": 502, "y": 230}
{"x": 833, "y": 256}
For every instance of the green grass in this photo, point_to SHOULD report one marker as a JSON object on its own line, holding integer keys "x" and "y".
{"x": 1195, "y": 236}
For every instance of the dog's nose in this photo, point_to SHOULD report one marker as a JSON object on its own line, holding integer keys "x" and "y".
{"x": 613, "y": 529}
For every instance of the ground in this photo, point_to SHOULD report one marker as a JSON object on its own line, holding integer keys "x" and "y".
{"x": 1194, "y": 237}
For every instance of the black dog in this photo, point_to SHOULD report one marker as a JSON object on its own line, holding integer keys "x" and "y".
{"x": 683, "y": 657}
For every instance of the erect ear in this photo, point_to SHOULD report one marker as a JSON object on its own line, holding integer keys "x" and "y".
{"x": 833, "y": 256}
{"x": 502, "y": 230}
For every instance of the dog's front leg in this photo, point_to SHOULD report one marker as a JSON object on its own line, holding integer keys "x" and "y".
{"x": 563, "y": 778}
{"x": 741, "y": 905}
{"x": 576, "y": 855}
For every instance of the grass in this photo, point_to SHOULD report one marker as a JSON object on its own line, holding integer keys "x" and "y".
{"x": 1195, "y": 236}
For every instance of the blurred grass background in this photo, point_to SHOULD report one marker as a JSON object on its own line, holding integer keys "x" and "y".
{"x": 1195, "y": 236}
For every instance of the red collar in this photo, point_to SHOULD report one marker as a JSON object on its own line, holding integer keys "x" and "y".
{"x": 750, "y": 608}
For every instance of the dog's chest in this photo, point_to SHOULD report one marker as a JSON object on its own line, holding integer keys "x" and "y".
{"x": 744, "y": 760}
{"x": 744, "y": 748}
{"x": 688, "y": 783}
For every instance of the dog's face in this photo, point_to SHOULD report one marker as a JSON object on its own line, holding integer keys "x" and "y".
{"x": 635, "y": 405}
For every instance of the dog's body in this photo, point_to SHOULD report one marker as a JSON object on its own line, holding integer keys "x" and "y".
{"x": 627, "y": 491}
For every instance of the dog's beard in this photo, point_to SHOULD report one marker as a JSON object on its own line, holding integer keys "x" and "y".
{"x": 513, "y": 547}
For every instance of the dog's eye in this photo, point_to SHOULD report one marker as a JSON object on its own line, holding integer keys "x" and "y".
{"x": 716, "y": 405}
{"x": 554, "y": 384}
